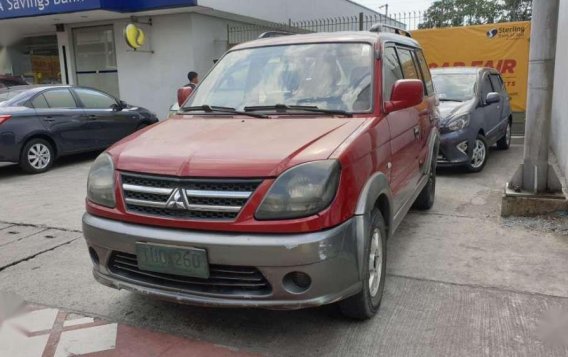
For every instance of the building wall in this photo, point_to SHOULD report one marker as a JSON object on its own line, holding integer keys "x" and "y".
{"x": 282, "y": 10}
{"x": 180, "y": 43}
{"x": 152, "y": 79}
{"x": 559, "y": 134}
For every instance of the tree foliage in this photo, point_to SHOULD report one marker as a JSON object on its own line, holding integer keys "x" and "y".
{"x": 444, "y": 13}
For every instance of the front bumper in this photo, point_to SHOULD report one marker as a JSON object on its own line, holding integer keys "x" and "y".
{"x": 449, "y": 154}
{"x": 329, "y": 257}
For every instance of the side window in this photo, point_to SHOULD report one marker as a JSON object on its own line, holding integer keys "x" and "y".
{"x": 391, "y": 71}
{"x": 407, "y": 63}
{"x": 39, "y": 102}
{"x": 60, "y": 98}
{"x": 496, "y": 83}
{"x": 95, "y": 100}
{"x": 426, "y": 76}
{"x": 486, "y": 88}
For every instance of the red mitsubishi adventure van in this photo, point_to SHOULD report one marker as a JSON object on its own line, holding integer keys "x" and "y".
{"x": 278, "y": 182}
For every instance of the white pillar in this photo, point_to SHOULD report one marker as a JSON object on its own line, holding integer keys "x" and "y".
{"x": 533, "y": 176}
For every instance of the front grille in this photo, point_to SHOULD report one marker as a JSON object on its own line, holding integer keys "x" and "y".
{"x": 224, "y": 280}
{"x": 208, "y": 199}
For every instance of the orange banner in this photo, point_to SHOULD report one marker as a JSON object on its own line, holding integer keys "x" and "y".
{"x": 503, "y": 46}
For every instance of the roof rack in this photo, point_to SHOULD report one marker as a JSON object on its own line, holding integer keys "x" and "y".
{"x": 269, "y": 34}
{"x": 390, "y": 29}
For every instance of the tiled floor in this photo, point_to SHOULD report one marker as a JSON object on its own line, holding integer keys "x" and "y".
{"x": 48, "y": 332}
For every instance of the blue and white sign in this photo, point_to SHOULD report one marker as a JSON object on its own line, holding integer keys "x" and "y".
{"x": 25, "y": 8}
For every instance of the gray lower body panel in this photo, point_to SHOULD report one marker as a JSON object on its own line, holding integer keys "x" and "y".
{"x": 330, "y": 258}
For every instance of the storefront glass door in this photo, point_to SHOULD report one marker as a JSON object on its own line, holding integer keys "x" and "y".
{"x": 95, "y": 58}
{"x": 36, "y": 59}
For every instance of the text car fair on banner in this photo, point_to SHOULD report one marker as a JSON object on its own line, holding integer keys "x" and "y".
{"x": 503, "y": 46}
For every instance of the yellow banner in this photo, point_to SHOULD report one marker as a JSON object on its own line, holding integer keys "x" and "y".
{"x": 503, "y": 46}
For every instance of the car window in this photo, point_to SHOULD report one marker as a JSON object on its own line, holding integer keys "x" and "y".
{"x": 496, "y": 82}
{"x": 486, "y": 88}
{"x": 40, "y": 102}
{"x": 426, "y": 76}
{"x": 95, "y": 100}
{"x": 391, "y": 71}
{"x": 407, "y": 63}
{"x": 60, "y": 98}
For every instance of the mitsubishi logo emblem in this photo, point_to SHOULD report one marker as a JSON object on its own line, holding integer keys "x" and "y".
{"x": 177, "y": 200}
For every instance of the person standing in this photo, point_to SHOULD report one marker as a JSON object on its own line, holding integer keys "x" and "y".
{"x": 193, "y": 79}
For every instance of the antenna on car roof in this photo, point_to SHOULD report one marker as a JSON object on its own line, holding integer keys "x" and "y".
{"x": 269, "y": 34}
{"x": 390, "y": 29}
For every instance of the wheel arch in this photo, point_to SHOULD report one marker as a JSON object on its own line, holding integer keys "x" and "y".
{"x": 376, "y": 194}
{"x": 43, "y": 136}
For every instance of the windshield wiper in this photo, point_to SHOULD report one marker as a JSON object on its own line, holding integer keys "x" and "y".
{"x": 307, "y": 108}
{"x": 215, "y": 109}
{"x": 450, "y": 100}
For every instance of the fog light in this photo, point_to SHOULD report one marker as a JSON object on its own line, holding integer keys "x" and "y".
{"x": 94, "y": 256}
{"x": 462, "y": 147}
{"x": 297, "y": 282}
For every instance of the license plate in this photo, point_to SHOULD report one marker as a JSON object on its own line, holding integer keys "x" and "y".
{"x": 190, "y": 262}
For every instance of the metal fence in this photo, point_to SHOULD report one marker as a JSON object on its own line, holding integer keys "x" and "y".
{"x": 361, "y": 22}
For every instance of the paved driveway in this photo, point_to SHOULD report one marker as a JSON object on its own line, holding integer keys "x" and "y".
{"x": 461, "y": 280}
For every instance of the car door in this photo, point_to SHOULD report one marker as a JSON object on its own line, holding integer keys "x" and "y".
{"x": 491, "y": 111}
{"x": 60, "y": 114}
{"x": 404, "y": 130}
{"x": 112, "y": 122}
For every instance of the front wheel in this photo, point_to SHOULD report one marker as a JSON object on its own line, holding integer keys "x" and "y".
{"x": 479, "y": 155}
{"x": 505, "y": 142}
{"x": 37, "y": 156}
{"x": 366, "y": 303}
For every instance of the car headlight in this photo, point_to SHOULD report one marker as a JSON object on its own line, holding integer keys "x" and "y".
{"x": 458, "y": 123}
{"x": 100, "y": 186}
{"x": 301, "y": 191}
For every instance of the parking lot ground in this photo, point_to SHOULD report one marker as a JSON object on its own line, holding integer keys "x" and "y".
{"x": 461, "y": 280}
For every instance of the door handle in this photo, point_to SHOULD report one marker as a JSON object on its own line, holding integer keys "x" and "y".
{"x": 91, "y": 117}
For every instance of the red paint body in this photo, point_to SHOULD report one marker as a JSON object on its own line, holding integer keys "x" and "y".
{"x": 239, "y": 146}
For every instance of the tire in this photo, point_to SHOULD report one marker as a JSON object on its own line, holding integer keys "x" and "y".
{"x": 37, "y": 156}
{"x": 479, "y": 155}
{"x": 366, "y": 303}
{"x": 505, "y": 142}
{"x": 426, "y": 198}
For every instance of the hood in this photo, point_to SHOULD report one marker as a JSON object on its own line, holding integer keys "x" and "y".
{"x": 452, "y": 109}
{"x": 221, "y": 147}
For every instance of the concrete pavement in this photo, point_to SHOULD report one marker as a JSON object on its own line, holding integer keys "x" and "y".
{"x": 461, "y": 280}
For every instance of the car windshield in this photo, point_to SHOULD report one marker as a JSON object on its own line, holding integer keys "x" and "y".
{"x": 333, "y": 76}
{"x": 455, "y": 86}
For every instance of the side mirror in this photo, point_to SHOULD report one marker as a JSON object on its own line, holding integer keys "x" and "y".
{"x": 123, "y": 104}
{"x": 182, "y": 94}
{"x": 493, "y": 97}
{"x": 406, "y": 93}
{"x": 117, "y": 107}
